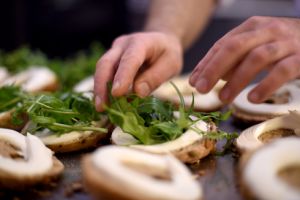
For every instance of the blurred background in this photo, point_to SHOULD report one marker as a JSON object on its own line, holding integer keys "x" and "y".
{"x": 59, "y": 28}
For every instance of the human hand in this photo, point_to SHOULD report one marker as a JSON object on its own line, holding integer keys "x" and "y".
{"x": 141, "y": 61}
{"x": 259, "y": 43}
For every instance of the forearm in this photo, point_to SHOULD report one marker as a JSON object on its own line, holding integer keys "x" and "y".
{"x": 184, "y": 19}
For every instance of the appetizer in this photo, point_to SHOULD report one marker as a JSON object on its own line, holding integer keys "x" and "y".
{"x": 203, "y": 102}
{"x": 63, "y": 121}
{"x": 257, "y": 135}
{"x": 33, "y": 80}
{"x": 272, "y": 171}
{"x": 114, "y": 172}
{"x": 156, "y": 126}
{"x": 284, "y": 99}
{"x": 25, "y": 161}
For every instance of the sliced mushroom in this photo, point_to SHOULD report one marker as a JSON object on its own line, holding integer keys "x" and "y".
{"x": 32, "y": 163}
{"x": 285, "y": 125}
{"x": 73, "y": 141}
{"x": 262, "y": 172}
{"x": 34, "y": 79}
{"x": 124, "y": 173}
{"x": 86, "y": 86}
{"x": 189, "y": 147}
{"x": 285, "y": 98}
{"x": 3, "y": 74}
{"x": 202, "y": 102}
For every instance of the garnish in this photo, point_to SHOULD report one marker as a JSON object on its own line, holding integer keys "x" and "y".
{"x": 70, "y": 70}
{"x": 152, "y": 121}
{"x": 60, "y": 112}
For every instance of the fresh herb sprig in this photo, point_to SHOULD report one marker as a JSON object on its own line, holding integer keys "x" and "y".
{"x": 151, "y": 121}
{"x": 60, "y": 112}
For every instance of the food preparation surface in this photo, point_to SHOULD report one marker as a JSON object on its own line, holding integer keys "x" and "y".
{"x": 217, "y": 175}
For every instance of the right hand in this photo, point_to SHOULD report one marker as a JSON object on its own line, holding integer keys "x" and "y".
{"x": 138, "y": 61}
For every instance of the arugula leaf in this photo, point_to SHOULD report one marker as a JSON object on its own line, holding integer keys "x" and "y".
{"x": 69, "y": 70}
{"x": 60, "y": 112}
{"x": 10, "y": 96}
{"x": 151, "y": 120}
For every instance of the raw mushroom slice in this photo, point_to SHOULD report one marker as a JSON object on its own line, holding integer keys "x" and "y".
{"x": 86, "y": 86}
{"x": 189, "y": 147}
{"x": 3, "y": 74}
{"x": 202, "y": 102}
{"x": 25, "y": 161}
{"x": 34, "y": 79}
{"x": 278, "y": 127}
{"x": 285, "y": 98}
{"x": 73, "y": 141}
{"x": 273, "y": 171}
{"x": 124, "y": 173}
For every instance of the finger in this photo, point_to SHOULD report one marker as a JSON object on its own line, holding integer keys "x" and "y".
{"x": 247, "y": 26}
{"x": 256, "y": 61}
{"x": 105, "y": 69}
{"x": 231, "y": 53}
{"x": 283, "y": 71}
{"x": 132, "y": 59}
{"x": 155, "y": 75}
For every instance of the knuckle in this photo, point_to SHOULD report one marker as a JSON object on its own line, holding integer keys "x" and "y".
{"x": 130, "y": 59}
{"x": 233, "y": 45}
{"x": 258, "y": 55}
{"x": 263, "y": 53}
{"x": 277, "y": 27}
{"x": 284, "y": 69}
{"x": 104, "y": 61}
{"x": 254, "y": 20}
{"x": 119, "y": 40}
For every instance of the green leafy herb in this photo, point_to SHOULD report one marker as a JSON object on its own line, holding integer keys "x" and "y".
{"x": 152, "y": 121}
{"x": 60, "y": 113}
{"x": 69, "y": 70}
{"x": 10, "y": 96}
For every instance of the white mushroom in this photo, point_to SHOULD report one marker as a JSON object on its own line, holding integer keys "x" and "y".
{"x": 3, "y": 74}
{"x": 245, "y": 109}
{"x": 202, "y": 102}
{"x": 86, "y": 86}
{"x": 249, "y": 138}
{"x": 189, "y": 147}
{"x": 34, "y": 79}
{"x": 73, "y": 141}
{"x": 132, "y": 174}
{"x": 260, "y": 172}
{"x": 36, "y": 165}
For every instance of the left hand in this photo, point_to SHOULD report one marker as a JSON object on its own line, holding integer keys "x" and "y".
{"x": 271, "y": 43}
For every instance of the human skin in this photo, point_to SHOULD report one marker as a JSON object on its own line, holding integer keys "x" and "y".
{"x": 142, "y": 61}
{"x": 259, "y": 43}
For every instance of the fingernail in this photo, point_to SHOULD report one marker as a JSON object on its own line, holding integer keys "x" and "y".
{"x": 116, "y": 86}
{"x": 225, "y": 94}
{"x": 98, "y": 101}
{"x": 143, "y": 89}
{"x": 254, "y": 97}
{"x": 201, "y": 85}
